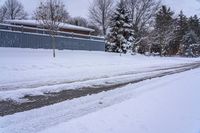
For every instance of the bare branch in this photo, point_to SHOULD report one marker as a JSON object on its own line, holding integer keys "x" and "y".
{"x": 12, "y": 9}
{"x": 100, "y": 12}
{"x": 50, "y": 14}
{"x": 79, "y": 21}
{"x": 142, "y": 12}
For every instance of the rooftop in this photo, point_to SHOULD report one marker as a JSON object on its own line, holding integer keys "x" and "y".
{"x": 37, "y": 23}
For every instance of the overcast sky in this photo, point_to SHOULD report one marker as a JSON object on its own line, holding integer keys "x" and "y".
{"x": 80, "y": 7}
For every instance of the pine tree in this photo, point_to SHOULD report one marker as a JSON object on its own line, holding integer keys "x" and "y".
{"x": 189, "y": 44}
{"x": 181, "y": 28}
{"x": 121, "y": 30}
{"x": 194, "y": 24}
{"x": 164, "y": 26}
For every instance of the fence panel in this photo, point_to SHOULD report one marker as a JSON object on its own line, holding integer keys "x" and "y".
{"x": 34, "y": 40}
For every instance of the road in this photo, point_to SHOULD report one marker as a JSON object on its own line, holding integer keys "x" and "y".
{"x": 8, "y": 107}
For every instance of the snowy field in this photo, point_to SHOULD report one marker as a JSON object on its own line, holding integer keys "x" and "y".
{"x": 164, "y": 105}
{"x": 34, "y": 72}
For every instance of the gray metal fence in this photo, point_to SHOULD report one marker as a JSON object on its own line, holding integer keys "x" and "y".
{"x": 21, "y": 39}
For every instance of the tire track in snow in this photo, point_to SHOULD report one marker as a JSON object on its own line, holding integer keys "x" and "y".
{"x": 36, "y": 84}
{"x": 10, "y": 107}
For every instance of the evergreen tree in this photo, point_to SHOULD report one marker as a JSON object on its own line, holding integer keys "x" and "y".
{"x": 164, "y": 26}
{"x": 121, "y": 30}
{"x": 182, "y": 25}
{"x": 181, "y": 28}
{"x": 194, "y": 24}
{"x": 189, "y": 44}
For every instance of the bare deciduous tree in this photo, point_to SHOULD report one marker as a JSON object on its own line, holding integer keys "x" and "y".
{"x": 2, "y": 13}
{"x": 142, "y": 12}
{"x": 79, "y": 21}
{"x": 100, "y": 12}
{"x": 12, "y": 9}
{"x": 96, "y": 29}
{"x": 50, "y": 14}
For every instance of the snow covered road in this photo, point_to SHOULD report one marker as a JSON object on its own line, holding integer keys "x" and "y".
{"x": 164, "y": 105}
{"x": 61, "y": 92}
{"x": 161, "y": 105}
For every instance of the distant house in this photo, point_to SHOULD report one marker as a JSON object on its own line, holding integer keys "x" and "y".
{"x": 63, "y": 27}
{"x": 31, "y": 34}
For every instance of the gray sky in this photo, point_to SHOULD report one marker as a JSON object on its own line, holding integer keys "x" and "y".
{"x": 80, "y": 7}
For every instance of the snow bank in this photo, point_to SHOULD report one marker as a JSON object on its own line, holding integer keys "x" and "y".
{"x": 172, "y": 106}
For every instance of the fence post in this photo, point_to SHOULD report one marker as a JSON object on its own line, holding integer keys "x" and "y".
{"x": 90, "y": 35}
{"x": 22, "y": 28}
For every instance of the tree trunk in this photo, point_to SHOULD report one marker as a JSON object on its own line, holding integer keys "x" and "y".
{"x": 53, "y": 46}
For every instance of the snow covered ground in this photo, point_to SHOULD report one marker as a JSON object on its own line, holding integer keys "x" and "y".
{"x": 164, "y": 105}
{"x": 167, "y": 105}
{"x": 31, "y": 71}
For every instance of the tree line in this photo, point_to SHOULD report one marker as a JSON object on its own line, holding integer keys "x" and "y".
{"x": 150, "y": 28}
{"x": 136, "y": 26}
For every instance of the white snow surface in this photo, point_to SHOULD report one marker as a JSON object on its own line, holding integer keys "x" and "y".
{"x": 163, "y": 105}
{"x": 34, "y": 71}
{"x": 36, "y": 23}
{"x": 167, "y": 105}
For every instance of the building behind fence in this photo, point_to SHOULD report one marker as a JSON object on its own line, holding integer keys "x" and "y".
{"x": 27, "y": 37}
